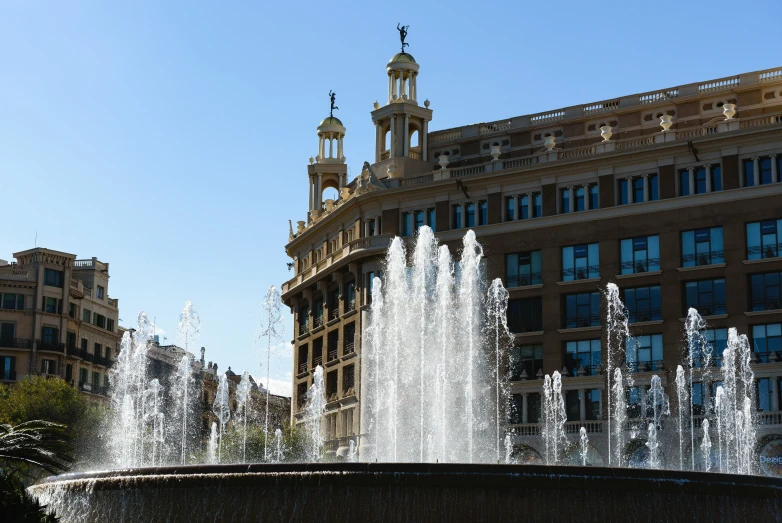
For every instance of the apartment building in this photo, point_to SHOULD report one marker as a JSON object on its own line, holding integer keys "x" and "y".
{"x": 57, "y": 319}
{"x": 674, "y": 195}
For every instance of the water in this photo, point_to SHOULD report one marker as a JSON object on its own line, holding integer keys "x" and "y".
{"x": 154, "y": 420}
{"x": 211, "y": 451}
{"x": 272, "y": 329}
{"x": 617, "y": 419}
{"x": 313, "y": 415}
{"x": 222, "y": 410}
{"x": 555, "y": 416}
{"x": 682, "y": 395}
{"x": 242, "y": 400}
{"x": 278, "y": 445}
{"x": 618, "y": 330}
{"x": 658, "y": 405}
{"x": 183, "y": 391}
{"x": 434, "y": 331}
{"x": 706, "y": 447}
{"x": 584, "y": 447}
{"x": 699, "y": 353}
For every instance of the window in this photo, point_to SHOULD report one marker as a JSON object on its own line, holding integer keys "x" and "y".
{"x": 716, "y": 177}
{"x": 7, "y": 334}
{"x": 582, "y": 357}
{"x": 767, "y": 340}
{"x": 50, "y": 305}
{"x": 717, "y": 341}
{"x": 579, "y": 203}
{"x": 643, "y": 304}
{"x": 331, "y": 384}
{"x": 526, "y": 361}
{"x": 83, "y": 376}
{"x": 765, "y": 291}
{"x": 516, "y": 409}
{"x": 431, "y": 218}
{"x": 333, "y": 346}
{"x": 510, "y": 208}
{"x": 640, "y": 254}
{"x": 638, "y": 189}
{"x": 49, "y": 335}
{"x": 457, "y": 216}
{"x": 371, "y": 226}
{"x": 592, "y": 404}
{"x": 654, "y": 188}
{"x": 68, "y": 372}
{"x": 763, "y": 239}
{"x": 53, "y": 278}
{"x": 765, "y": 394}
{"x": 644, "y": 353}
{"x": 634, "y": 401}
{"x": 593, "y": 197}
{"x": 621, "y": 192}
{"x": 7, "y": 368}
{"x": 764, "y": 174}
{"x": 699, "y": 186}
{"x": 348, "y": 378}
{"x": 525, "y": 315}
{"x": 110, "y": 324}
{"x": 48, "y": 366}
{"x": 707, "y": 296}
{"x": 101, "y": 292}
{"x": 406, "y": 225}
{"x": 317, "y": 313}
{"x": 573, "y": 404}
{"x": 98, "y": 350}
{"x": 698, "y": 406}
{"x": 469, "y": 214}
{"x": 370, "y": 285}
{"x": 304, "y": 327}
{"x": 702, "y": 247}
{"x": 483, "y": 212}
{"x": 100, "y": 321}
{"x": 533, "y": 407}
{"x": 684, "y": 182}
{"x": 564, "y": 201}
{"x": 317, "y": 352}
{"x": 13, "y": 301}
{"x": 580, "y": 262}
{"x": 530, "y": 210}
{"x": 86, "y": 315}
{"x": 70, "y": 341}
{"x": 350, "y": 296}
{"x": 95, "y": 380}
{"x": 350, "y": 339}
{"x": 419, "y": 219}
{"x": 582, "y": 310}
{"x": 84, "y": 343}
{"x": 522, "y": 269}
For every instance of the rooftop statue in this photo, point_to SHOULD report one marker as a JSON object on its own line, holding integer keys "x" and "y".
{"x": 402, "y": 35}
{"x": 332, "y": 96}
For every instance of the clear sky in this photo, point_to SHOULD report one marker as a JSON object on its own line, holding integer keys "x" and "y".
{"x": 171, "y": 138}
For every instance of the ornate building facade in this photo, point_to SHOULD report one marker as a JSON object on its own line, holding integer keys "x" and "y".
{"x": 674, "y": 195}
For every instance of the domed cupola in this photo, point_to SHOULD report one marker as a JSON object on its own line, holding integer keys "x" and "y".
{"x": 402, "y": 74}
{"x": 327, "y": 169}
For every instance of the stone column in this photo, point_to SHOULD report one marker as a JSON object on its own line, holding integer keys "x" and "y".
{"x": 691, "y": 179}
{"x": 403, "y": 86}
{"x": 571, "y": 199}
{"x": 425, "y": 141}
{"x": 646, "y": 187}
{"x": 524, "y": 407}
{"x": 708, "y": 177}
{"x": 390, "y": 87}
{"x": 339, "y": 147}
{"x": 321, "y": 146}
{"x": 319, "y": 192}
{"x": 756, "y": 170}
{"x": 331, "y": 145}
{"x": 775, "y": 395}
{"x": 413, "y": 86}
{"x": 405, "y": 137}
{"x": 378, "y": 143}
{"x": 774, "y": 168}
{"x": 530, "y": 205}
{"x": 393, "y": 137}
{"x": 629, "y": 189}
{"x": 582, "y": 403}
{"x": 586, "y": 197}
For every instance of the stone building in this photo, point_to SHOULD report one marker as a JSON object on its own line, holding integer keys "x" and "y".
{"x": 57, "y": 319}
{"x": 673, "y": 194}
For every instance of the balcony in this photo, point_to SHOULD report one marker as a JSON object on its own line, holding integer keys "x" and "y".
{"x": 304, "y": 329}
{"x": 71, "y": 350}
{"x": 637, "y": 316}
{"x": 350, "y": 306}
{"x": 580, "y": 321}
{"x": 349, "y": 348}
{"x": 100, "y": 360}
{"x": 16, "y": 343}
{"x": 707, "y": 309}
{"x": 581, "y": 273}
{"x": 577, "y": 370}
{"x": 333, "y": 313}
{"x": 83, "y": 354}
{"x": 7, "y": 375}
{"x": 525, "y": 280}
{"x": 51, "y": 346}
{"x": 703, "y": 259}
{"x": 645, "y": 366}
{"x": 768, "y": 304}
{"x": 767, "y": 357}
{"x": 640, "y": 266}
{"x": 317, "y": 322}
{"x": 757, "y": 252}
{"x": 317, "y": 360}
{"x": 332, "y": 355}
{"x": 302, "y": 367}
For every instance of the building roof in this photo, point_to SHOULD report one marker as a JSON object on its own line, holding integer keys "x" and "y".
{"x": 331, "y": 120}
{"x": 402, "y": 57}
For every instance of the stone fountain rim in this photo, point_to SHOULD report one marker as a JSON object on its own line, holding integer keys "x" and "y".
{"x": 457, "y": 474}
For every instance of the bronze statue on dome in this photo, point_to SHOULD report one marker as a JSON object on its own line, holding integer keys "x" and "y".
{"x": 402, "y": 35}
{"x": 332, "y": 96}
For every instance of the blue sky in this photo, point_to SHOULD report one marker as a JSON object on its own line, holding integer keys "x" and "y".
{"x": 171, "y": 139}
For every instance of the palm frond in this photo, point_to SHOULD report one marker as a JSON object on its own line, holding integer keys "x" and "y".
{"x": 40, "y": 443}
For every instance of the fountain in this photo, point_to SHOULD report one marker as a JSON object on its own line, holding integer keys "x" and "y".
{"x": 434, "y": 444}
{"x": 242, "y": 399}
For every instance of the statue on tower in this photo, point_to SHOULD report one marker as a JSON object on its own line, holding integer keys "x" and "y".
{"x": 332, "y": 96}
{"x": 402, "y": 35}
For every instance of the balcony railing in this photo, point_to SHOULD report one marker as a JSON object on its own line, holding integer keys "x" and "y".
{"x": 696, "y": 260}
{"x": 524, "y": 280}
{"x": 332, "y": 355}
{"x": 768, "y": 357}
{"x": 51, "y": 346}
{"x": 644, "y": 315}
{"x": 576, "y": 370}
{"x": 86, "y": 356}
{"x": 317, "y": 360}
{"x": 756, "y": 252}
{"x": 581, "y": 273}
{"x": 707, "y": 309}
{"x": 645, "y": 366}
{"x": 586, "y": 320}
{"x": 333, "y": 313}
{"x": 303, "y": 329}
{"x": 317, "y": 322}
{"x": 302, "y": 367}
{"x": 768, "y": 304}
{"x": 16, "y": 343}
{"x": 100, "y": 360}
{"x": 350, "y": 306}
{"x": 7, "y": 375}
{"x": 639, "y": 266}
{"x": 349, "y": 348}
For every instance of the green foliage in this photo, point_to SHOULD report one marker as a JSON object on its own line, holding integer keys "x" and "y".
{"x": 19, "y": 506}
{"x": 38, "y": 443}
{"x": 293, "y": 444}
{"x": 54, "y": 400}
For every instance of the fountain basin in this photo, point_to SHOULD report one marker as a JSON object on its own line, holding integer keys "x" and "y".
{"x": 404, "y": 492}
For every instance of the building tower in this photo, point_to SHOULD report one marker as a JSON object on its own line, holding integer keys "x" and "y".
{"x": 328, "y": 168}
{"x": 401, "y": 126}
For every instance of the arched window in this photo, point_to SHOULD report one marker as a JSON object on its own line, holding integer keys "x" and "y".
{"x": 414, "y": 139}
